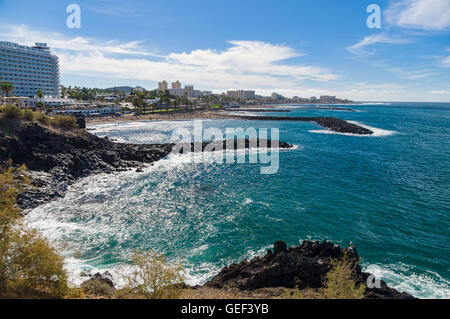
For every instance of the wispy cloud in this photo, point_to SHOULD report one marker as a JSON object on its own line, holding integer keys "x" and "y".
{"x": 440, "y": 92}
{"x": 420, "y": 14}
{"x": 412, "y": 16}
{"x": 360, "y": 47}
{"x": 244, "y": 64}
{"x": 377, "y": 86}
{"x": 412, "y": 75}
{"x": 111, "y": 7}
{"x": 445, "y": 61}
{"x": 23, "y": 34}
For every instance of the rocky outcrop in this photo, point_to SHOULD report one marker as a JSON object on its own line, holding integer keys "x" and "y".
{"x": 304, "y": 267}
{"x": 105, "y": 278}
{"x": 57, "y": 159}
{"x": 331, "y": 123}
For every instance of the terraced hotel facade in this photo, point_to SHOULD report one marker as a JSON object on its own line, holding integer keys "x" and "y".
{"x": 29, "y": 69}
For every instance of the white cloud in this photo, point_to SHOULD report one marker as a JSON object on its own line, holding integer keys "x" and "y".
{"x": 445, "y": 62}
{"x": 408, "y": 14}
{"x": 440, "y": 92}
{"x": 110, "y": 8}
{"x": 244, "y": 64}
{"x": 412, "y": 75}
{"x": 22, "y": 34}
{"x": 359, "y": 48}
{"x": 420, "y": 14}
{"x": 377, "y": 86}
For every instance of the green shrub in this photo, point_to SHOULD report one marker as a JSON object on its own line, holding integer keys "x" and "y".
{"x": 29, "y": 266}
{"x": 152, "y": 278}
{"x": 339, "y": 283}
{"x": 28, "y": 115}
{"x": 12, "y": 112}
{"x": 64, "y": 121}
{"x": 97, "y": 287}
{"x": 34, "y": 269}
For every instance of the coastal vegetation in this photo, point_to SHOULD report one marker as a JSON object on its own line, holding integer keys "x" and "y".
{"x": 340, "y": 282}
{"x": 9, "y": 114}
{"x": 6, "y": 88}
{"x": 29, "y": 266}
{"x": 152, "y": 277}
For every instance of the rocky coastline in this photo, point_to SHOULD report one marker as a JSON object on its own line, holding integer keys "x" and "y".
{"x": 332, "y": 123}
{"x": 280, "y": 272}
{"x": 57, "y": 159}
{"x": 299, "y": 267}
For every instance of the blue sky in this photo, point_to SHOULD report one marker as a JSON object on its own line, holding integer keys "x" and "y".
{"x": 304, "y": 48}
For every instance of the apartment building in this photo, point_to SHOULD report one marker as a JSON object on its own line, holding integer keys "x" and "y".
{"x": 29, "y": 69}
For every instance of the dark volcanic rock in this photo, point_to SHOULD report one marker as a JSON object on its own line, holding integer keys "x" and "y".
{"x": 279, "y": 247}
{"x": 56, "y": 160}
{"x": 304, "y": 266}
{"x": 106, "y": 278}
{"x": 331, "y": 123}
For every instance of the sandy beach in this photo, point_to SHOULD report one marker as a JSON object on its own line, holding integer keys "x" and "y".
{"x": 163, "y": 116}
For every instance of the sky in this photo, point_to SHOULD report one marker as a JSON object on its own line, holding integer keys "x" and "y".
{"x": 292, "y": 47}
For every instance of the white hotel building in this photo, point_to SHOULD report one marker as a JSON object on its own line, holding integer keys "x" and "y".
{"x": 29, "y": 69}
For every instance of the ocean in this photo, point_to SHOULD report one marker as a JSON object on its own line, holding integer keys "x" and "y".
{"x": 388, "y": 194}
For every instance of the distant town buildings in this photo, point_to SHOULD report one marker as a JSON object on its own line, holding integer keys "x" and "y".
{"x": 189, "y": 91}
{"x": 138, "y": 89}
{"x": 29, "y": 69}
{"x": 176, "y": 85}
{"x": 241, "y": 95}
{"x": 275, "y": 96}
{"x": 176, "y": 90}
{"x": 95, "y": 111}
{"x": 163, "y": 86}
{"x": 152, "y": 101}
{"x": 327, "y": 99}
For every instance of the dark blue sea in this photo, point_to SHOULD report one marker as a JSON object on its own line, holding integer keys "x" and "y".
{"x": 388, "y": 194}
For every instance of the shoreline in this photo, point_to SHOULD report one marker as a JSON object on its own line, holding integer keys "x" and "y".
{"x": 331, "y": 123}
{"x": 163, "y": 116}
{"x": 56, "y": 160}
{"x": 84, "y": 147}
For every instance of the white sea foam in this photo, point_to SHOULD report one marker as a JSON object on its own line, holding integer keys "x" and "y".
{"x": 375, "y": 103}
{"x": 377, "y": 132}
{"x": 194, "y": 274}
{"x": 429, "y": 286}
{"x": 400, "y": 277}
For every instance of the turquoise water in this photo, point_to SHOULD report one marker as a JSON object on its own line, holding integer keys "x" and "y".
{"x": 389, "y": 194}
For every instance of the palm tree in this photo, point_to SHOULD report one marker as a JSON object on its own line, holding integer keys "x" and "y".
{"x": 40, "y": 94}
{"x": 6, "y": 88}
{"x": 63, "y": 92}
